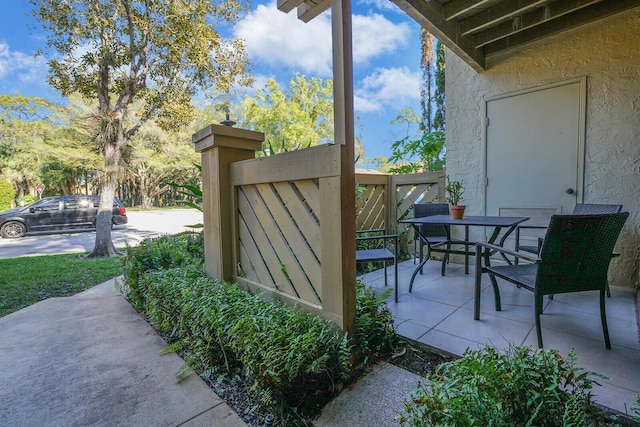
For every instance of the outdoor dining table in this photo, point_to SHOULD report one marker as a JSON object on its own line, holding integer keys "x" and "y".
{"x": 497, "y": 222}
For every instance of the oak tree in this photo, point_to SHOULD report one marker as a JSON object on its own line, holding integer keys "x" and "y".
{"x": 157, "y": 53}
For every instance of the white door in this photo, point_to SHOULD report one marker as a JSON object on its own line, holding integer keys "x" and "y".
{"x": 535, "y": 151}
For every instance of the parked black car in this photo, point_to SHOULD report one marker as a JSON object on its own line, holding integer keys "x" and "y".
{"x": 56, "y": 213}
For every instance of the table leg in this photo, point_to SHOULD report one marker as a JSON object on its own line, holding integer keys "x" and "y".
{"x": 466, "y": 249}
{"x": 478, "y": 287}
{"x": 415, "y": 273}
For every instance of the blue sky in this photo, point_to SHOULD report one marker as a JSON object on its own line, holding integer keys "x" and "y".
{"x": 386, "y": 50}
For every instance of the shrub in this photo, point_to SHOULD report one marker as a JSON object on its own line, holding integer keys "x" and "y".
{"x": 7, "y": 193}
{"x": 288, "y": 356}
{"x": 155, "y": 254}
{"x": 521, "y": 387}
{"x": 27, "y": 199}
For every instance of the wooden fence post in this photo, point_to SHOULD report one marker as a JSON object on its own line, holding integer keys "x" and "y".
{"x": 219, "y": 146}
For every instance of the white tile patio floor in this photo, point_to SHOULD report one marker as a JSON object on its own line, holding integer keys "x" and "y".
{"x": 439, "y": 312}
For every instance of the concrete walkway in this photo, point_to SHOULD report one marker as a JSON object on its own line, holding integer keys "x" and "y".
{"x": 92, "y": 360}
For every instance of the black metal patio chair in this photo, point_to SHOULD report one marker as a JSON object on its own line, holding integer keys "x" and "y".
{"x": 579, "y": 209}
{"x": 436, "y": 235}
{"x": 375, "y": 248}
{"x": 574, "y": 257}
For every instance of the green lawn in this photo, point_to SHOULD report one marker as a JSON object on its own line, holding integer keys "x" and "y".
{"x": 27, "y": 280}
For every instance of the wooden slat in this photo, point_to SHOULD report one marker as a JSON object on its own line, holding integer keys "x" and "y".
{"x": 272, "y": 294}
{"x": 331, "y": 252}
{"x": 372, "y": 209}
{"x": 301, "y": 265}
{"x": 258, "y": 222}
{"x": 314, "y": 162}
{"x": 251, "y": 260}
{"x": 306, "y": 223}
{"x": 309, "y": 190}
{"x": 418, "y": 178}
{"x": 366, "y": 179}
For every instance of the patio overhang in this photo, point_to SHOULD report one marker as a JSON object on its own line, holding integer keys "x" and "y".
{"x": 478, "y": 29}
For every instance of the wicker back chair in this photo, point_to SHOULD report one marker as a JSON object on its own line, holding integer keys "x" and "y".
{"x": 579, "y": 209}
{"x": 575, "y": 257}
{"x": 435, "y": 234}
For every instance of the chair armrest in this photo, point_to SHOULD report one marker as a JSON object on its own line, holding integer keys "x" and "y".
{"x": 507, "y": 251}
{"x": 383, "y": 236}
{"x": 529, "y": 227}
{"x": 538, "y": 227}
{"x": 374, "y": 230}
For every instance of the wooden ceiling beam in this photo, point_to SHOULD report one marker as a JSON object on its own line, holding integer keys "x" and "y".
{"x": 310, "y": 9}
{"x": 455, "y": 8}
{"x": 497, "y": 14}
{"x": 531, "y": 20}
{"x": 430, "y": 15}
{"x": 567, "y": 22}
{"x": 287, "y": 6}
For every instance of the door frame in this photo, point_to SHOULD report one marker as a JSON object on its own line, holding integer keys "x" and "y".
{"x": 582, "y": 114}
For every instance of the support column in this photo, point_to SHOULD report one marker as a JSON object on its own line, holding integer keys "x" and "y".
{"x": 219, "y": 146}
{"x": 344, "y": 135}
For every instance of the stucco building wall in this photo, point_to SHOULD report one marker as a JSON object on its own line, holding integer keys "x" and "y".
{"x": 608, "y": 54}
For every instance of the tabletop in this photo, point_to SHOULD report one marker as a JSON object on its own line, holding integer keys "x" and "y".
{"x": 489, "y": 221}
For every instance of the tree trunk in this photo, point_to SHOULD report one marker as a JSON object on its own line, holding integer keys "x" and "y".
{"x": 145, "y": 191}
{"x": 104, "y": 246}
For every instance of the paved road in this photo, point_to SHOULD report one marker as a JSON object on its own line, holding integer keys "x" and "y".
{"x": 141, "y": 225}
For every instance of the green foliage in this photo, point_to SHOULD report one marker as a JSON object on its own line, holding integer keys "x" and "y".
{"x": 487, "y": 388}
{"x": 191, "y": 191}
{"x": 155, "y": 156}
{"x": 455, "y": 191}
{"x": 40, "y": 145}
{"x": 156, "y": 254}
{"x": 418, "y": 155}
{"x": 299, "y": 117}
{"x": 28, "y": 280}
{"x": 416, "y": 152}
{"x": 27, "y": 199}
{"x": 289, "y": 357}
{"x": 375, "y": 332}
{"x": 170, "y": 50}
{"x": 7, "y": 193}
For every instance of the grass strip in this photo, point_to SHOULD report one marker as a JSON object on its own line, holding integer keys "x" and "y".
{"x": 28, "y": 280}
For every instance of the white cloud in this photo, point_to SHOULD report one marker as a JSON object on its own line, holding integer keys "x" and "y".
{"x": 374, "y": 35}
{"x": 278, "y": 38}
{"x": 365, "y": 104}
{"x": 385, "y": 5}
{"x": 23, "y": 67}
{"x": 387, "y": 87}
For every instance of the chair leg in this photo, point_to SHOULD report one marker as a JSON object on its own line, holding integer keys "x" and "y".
{"x": 421, "y": 254}
{"x": 603, "y": 317}
{"x": 608, "y": 291}
{"x": 496, "y": 291}
{"x": 538, "y": 310}
{"x": 385, "y": 274}
{"x": 395, "y": 270}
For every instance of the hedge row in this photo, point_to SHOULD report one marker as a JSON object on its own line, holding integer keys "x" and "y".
{"x": 289, "y": 357}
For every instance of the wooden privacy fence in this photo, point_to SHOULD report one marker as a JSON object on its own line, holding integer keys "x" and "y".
{"x": 382, "y": 200}
{"x": 281, "y": 225}
{"x": 286, "y": 229}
